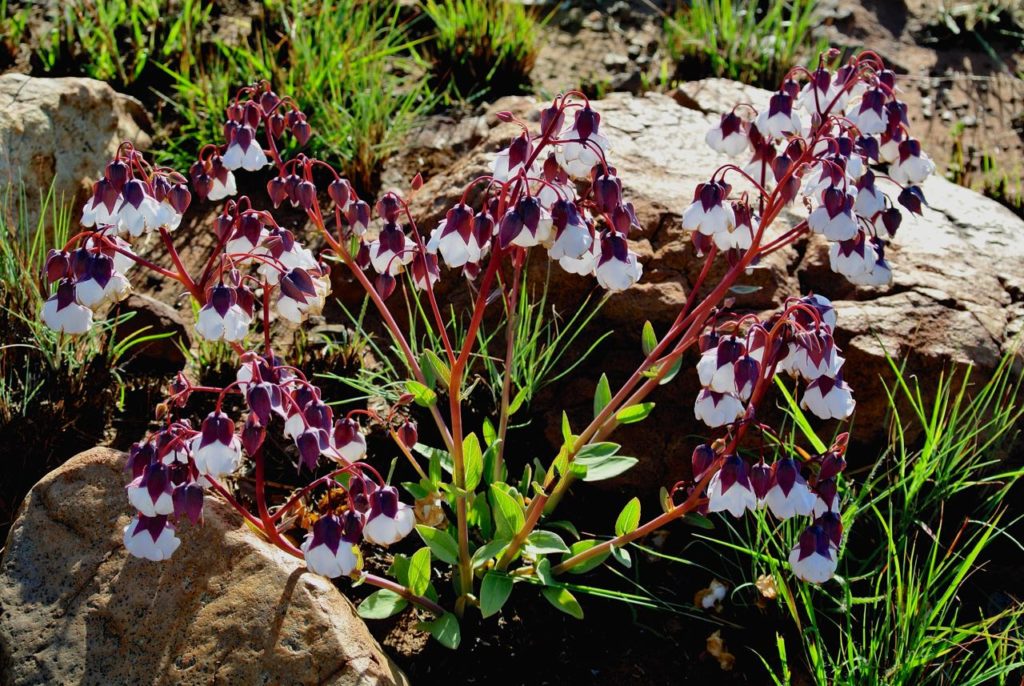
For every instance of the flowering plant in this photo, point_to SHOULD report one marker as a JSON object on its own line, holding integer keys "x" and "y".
{"x": 824, "y": 139}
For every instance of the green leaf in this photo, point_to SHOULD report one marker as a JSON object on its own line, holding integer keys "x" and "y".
{"x": 479, "y": 515}
{"x": 440, "y": 543}
{"x": 648, "y": 339}
{"x": 543, "y": 571}
{"x": 601, "y": 468}
{"x": 634, "y": 413}
{"x": 671, "y": 374}
{"x": 566, "y": 526}
{"x": 566, "y": 429}
{"x": 399, "y": 569}
{"x": 629, "y": 518}
{"x": 603, "y": 395}
{"x": 517, "y": 402}
{"x": 698, "y": 520}
{"x": 509, "y": 517}
{"x": 443, "y": 460}
{"x": 490, "y": 455}
{"x": 494, "y": 592}
{"x": 419, "y": 571}
{"x": 445, "y": 629}
{"x": 602, "y": 449}
{"x": 564, "y": 601}
{"x": 421, "y": 395}
{"x": 621, "y": 555}
{"x": 488, "y": 551}
{"x": 585, "y": 566}
{"x": 490, "y": 433}
{"x": 381, "y": 605}
{"x": 741, "y": 289}
{"x": 437, "y": 367}
{"x": 416, "y": 490}
{"x": 472, "y": 461}
{"x": 543, "y": 542}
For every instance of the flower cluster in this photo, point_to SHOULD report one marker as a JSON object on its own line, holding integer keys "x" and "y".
{"x": 826, "y": 140}
{"x": 172, "y": 469}
{"x": 533, "y": 201}
{"x": 132, "y": 199}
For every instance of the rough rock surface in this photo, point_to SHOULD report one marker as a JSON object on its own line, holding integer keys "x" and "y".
{"x": 152, "y": 317}
{"x": 62, "y": 131}
{"x": 958, "y": 296}
{"x": 228, "y": 608}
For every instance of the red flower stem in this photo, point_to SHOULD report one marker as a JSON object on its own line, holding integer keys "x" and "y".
{"x": 389, "y": 320}
{"x": 389, "y": 585}
{"x": 226, "y": 494}
{"x": 269, "y": 527}
{"x": 183, "y": 274}
{"x": 455, "y": 395}
{"x": 506, "y": 384}
{"x": 692, "y": 502}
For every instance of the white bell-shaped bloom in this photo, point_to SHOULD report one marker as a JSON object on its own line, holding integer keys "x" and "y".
{"x": 151, "y": 538}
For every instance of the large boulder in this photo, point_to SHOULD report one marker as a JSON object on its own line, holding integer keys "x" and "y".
{"x": 62, "y": 132}
{"x": 957, "y": 298}
{"x": 227, "y": 608}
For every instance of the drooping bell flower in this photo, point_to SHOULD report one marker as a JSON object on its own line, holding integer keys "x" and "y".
{"x": 96, "y": 282}
{"x": 388, "y": 520}
{"x": 287, "y": 254}
{"x": 573, "y": 238}
{"x": 139, "y": 211}
{"x": 216, "y": 450}
{"x": 879, "y": 273}
{"x": 833, "y": 218}
{"x": 853, "y": 257}
{"x": 425, "y": 271}
{"x": 61, "y": 313}
{"x": 618, "y": 267}
{"x": 526, "y": 225}
{"x": 222, "y": 180}
{"x": 716, "y": 368}
{"x": 329, "y": 549}
{"x": 709, "y": 212}
{"x": 730, "y": 489}
{"x": 788, "y": 494}
{"x": 870, "y": 117}
{"x": 511, "y": 160}
{"x": 302, "y": 294}
{"x": 101, "y": 209}
{"x": 349, "y": 442}
{"x": 829, "y": 398}
{"x": 151, "y": 538}
{"x": 778, "y": 120}
{"x": 814, "y": 558}
{"x": 911, "y": 166}
{"x": 456, "y": 239}
{"x": 728, "y": 136}
{"x": 717, "y": 409}
{"x": 583, "y": 147}
{"x": 247, "y": 235}
{"x": 225, "y": 316}
{"x": 150, "y": 493}
{"x": 243, "y": 152}
{"x": 391, "y": 251}
{"x": 188, "y": 501}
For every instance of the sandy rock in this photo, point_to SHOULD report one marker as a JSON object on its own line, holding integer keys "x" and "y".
{"x": 62, "y": 131}
{"x": 228, "y": 608}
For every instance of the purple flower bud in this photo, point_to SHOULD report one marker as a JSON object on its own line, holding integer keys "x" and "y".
{"x": 277, "y": 189}
{"x": 188, "y": 501}
{"x": 340, "y": 192}
{"x": 760, "y": 479}
{"x": 702, "y": 458}
{"x": 408, "y": 433}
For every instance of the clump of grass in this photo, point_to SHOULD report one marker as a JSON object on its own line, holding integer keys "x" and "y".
{"x": 920, "y": 596}
{"x": 348, "y": 63}
{"x": 981, "y": 172}
{"x": 745, "y": 40}
{"x": 120, "y": 41}
{"x": 481, "y": 47}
